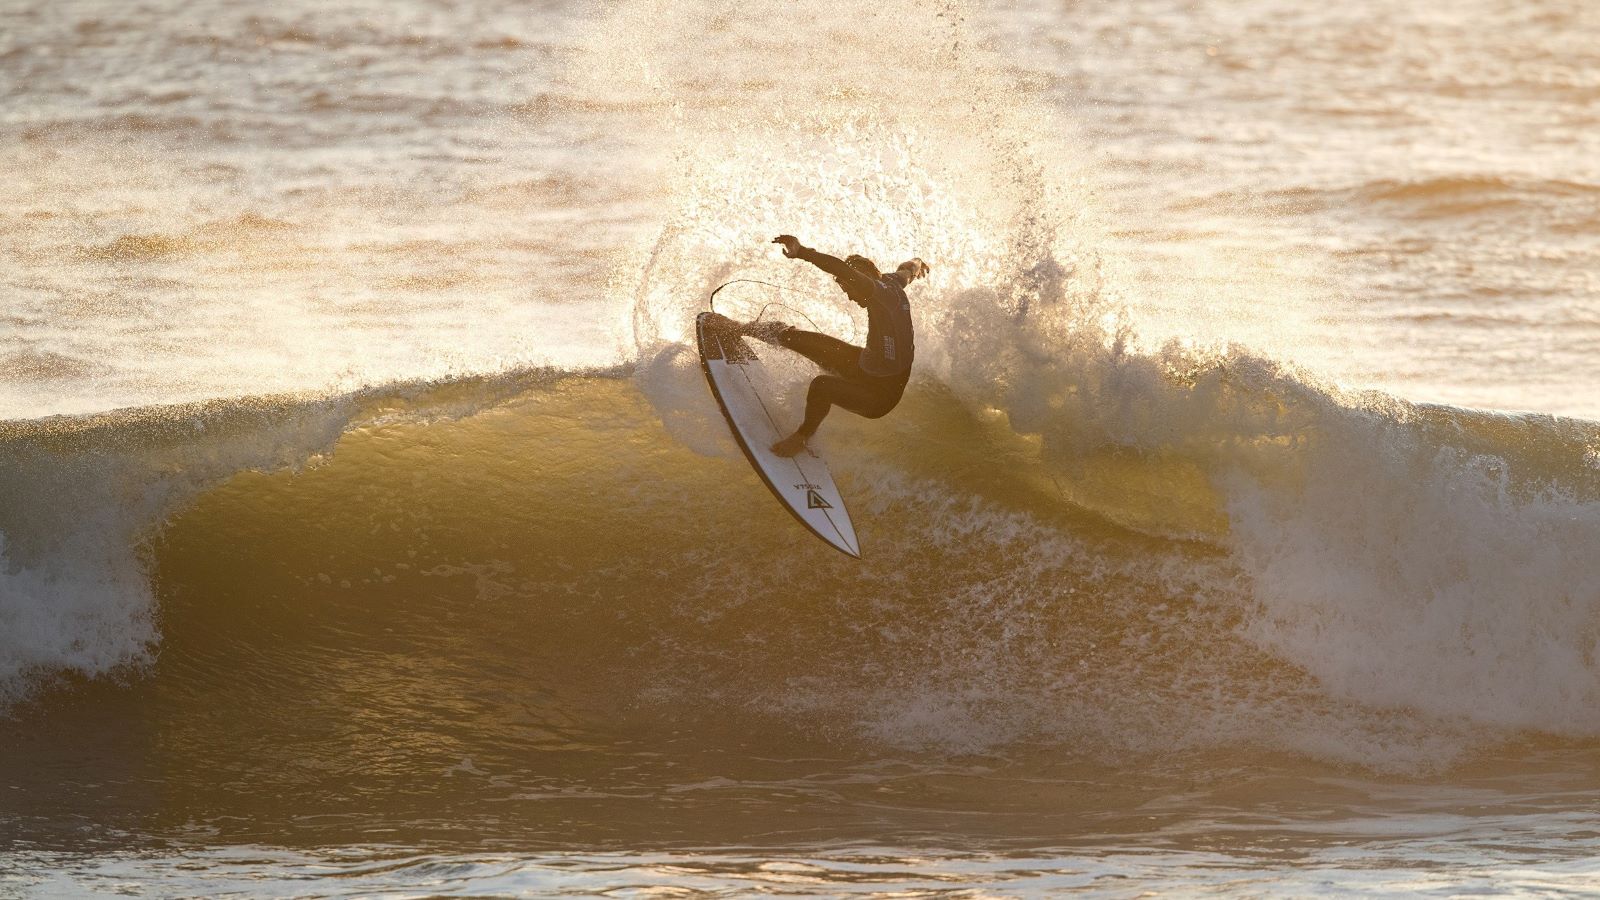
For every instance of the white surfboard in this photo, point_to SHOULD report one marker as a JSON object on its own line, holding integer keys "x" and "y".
{"x": 743, "y": 389}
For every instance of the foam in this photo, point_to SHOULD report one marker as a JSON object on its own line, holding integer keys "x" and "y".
{"x": 1409, "y": 574}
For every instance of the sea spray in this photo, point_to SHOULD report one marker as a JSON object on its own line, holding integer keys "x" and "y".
{"x": 1401, "y": 565}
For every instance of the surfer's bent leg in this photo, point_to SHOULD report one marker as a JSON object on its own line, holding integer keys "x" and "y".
{"x": 869, "y": 397}
{"x": 846, "y": 386}
{"x": 825, "y": 350}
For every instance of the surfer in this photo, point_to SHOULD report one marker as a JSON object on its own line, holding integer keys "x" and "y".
{"x": 867, "y": 381}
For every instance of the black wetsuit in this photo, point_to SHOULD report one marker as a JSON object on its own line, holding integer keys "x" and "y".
{"x": 870, "y": 380}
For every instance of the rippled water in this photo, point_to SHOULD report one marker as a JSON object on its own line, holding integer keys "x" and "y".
{"x": 1416, "y": 867}
{"x": 216, "y": 200}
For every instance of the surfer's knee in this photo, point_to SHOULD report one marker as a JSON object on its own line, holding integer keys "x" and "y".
{"x": 823, "y": 389}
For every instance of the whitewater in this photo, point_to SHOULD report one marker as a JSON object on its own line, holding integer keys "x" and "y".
{"x": 366, "y": 524}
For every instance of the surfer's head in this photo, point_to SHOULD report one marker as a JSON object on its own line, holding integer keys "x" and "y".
{"x": 863, "y": 265}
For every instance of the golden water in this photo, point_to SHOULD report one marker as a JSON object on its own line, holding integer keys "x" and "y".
{"x": 368, "y": 528}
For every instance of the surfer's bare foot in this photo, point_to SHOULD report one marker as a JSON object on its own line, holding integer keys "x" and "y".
{"x": 791, "y": 445}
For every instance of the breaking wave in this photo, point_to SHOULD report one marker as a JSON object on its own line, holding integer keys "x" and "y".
{"x": 1107, "y": 554}
{"x": 1075, "y": 537}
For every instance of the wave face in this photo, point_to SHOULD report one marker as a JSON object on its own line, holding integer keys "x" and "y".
{"x": 1243, "y": 561}
{"x": 81, "y": 499}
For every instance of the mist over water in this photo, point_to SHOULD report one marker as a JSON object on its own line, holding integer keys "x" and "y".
{"x": 359, "y": 486}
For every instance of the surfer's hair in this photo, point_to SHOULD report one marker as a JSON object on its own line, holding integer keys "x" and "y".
{"x": 863, "y": 265}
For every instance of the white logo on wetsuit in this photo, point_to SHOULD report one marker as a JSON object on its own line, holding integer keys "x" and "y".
{"x": 888, "y": 346}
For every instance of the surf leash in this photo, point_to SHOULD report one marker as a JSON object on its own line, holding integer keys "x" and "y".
{"x": 711, "y": 302}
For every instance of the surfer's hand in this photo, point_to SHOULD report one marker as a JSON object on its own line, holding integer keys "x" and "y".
{"x": 914, "y": 268}
{"x": 791, "y": 245}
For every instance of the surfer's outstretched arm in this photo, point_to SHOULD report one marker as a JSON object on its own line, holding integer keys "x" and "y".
{"x": 838, "y": 268}
{"x": 855, "y": 283}
{"x": 909, "y": 271}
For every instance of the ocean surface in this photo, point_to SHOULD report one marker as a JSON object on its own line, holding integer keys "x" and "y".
{"x": 367, "y": 528}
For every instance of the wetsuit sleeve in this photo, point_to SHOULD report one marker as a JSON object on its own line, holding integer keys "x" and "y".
{"x": 857, "y": 285}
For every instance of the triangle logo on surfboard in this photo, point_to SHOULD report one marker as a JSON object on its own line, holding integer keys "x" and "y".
{"x": 814, "y": 500}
